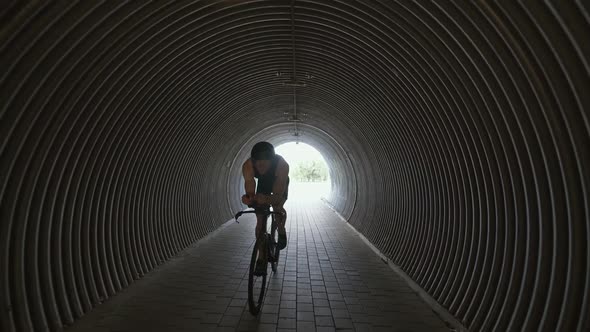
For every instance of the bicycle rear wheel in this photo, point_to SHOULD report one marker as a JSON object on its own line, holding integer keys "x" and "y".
{"x": 256, "y": 284}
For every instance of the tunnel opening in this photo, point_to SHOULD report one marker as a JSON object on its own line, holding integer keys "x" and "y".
{"x": 341, "y": 189}
{"x": 309, "y": 173}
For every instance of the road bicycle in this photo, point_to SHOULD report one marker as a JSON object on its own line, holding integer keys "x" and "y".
{"x": 266, "y": 241}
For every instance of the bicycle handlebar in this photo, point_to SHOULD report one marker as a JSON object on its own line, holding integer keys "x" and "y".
{"x": 259, "y": 210}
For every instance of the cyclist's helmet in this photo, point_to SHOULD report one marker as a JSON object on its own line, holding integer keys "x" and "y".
{"x": 262, "y": 151}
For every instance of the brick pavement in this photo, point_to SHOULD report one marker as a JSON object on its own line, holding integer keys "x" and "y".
{"x": 328, "y": 280}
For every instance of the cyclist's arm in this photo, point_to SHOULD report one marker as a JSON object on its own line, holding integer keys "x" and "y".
{"x": 249, "y": 182}
{"x": 280, "y": 184}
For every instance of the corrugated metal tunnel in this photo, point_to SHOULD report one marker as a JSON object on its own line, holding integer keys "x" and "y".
{"x": 457, "y": 135}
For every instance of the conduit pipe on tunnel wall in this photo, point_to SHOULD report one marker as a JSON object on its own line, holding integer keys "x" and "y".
{"x": 459, "y": 133}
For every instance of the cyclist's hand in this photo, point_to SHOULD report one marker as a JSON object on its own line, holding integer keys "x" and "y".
{"x": 247, "y": 200}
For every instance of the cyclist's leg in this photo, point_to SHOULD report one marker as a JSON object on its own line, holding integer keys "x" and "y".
{"x": 280, "y": 208}
{"x": 281, "y": 220}
{"x": 260, "y": 228}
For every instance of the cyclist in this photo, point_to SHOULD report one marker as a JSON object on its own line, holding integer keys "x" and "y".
{"x": 272, "y": 172}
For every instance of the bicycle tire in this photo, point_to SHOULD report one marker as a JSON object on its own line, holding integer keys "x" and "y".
{"x": 254, "y": 300}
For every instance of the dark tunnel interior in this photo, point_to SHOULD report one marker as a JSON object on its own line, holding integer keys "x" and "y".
{"x": 457, "y": 134}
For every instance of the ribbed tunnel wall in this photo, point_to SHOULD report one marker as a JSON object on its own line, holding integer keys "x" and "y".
{"x": 457, "y": 133}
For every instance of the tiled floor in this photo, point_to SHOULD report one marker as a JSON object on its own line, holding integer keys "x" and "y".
{"x": 328, "y": 280}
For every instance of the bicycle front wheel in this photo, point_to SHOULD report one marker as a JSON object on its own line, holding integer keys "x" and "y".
{"x": 256, "y": 284}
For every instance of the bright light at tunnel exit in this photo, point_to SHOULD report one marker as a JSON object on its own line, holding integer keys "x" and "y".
{"x": 301, "y": 157}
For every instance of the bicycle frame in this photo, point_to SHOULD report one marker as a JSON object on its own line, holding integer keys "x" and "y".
{"x": 264, "y": 211}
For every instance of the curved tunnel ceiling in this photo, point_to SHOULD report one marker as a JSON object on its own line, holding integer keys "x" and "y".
{"x": 457, "y": 133}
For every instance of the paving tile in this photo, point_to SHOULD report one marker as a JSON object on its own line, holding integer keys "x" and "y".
{"x": 228, "y": 320}
{"x": 221, "y": 329}
{"x": 290, "y": 284}
{"x": 288, "y": 297}
{"x": 287, "y": 323}
{"x": 269, "y": 318}
{"x": 351, "y": 300}
{"x": 272, "y": 300}
{"x": 288, "y": 304}
{"x": 332, "y": 286}
{"x": 304, "y": 299}
{"x": 318, "y": 288}
{"x": 267, "y": 328}
{"x": 196, "y": 327}
{"x": 305, "y": 316}
{"x": 355, "y": 308}
{"x": 363, "y": 327}
{"x": 270, "y": 308}
{"x": 321, "y": 303}
{"x": 322, "y": 311}
{"x": 343, "y": 323}
{"x": 325, "y": 329}
{"x": 289, "y": 290}
{"x": 319, "y": 295}
{"x": 247, "y": 317}
{"x": 324, "y": 321}
{"x": 237, "y": 302}
{"x": 333, "y": 290}
{"x": 340, "y": 313}
{"x": 211, "y": 318}
{"x": 241, "y": 295}
{"x": 304, "y": 307}
{"x": 337, "y": 304}
{"x": 288, "y": 313}
{"x": 305, "y": 326}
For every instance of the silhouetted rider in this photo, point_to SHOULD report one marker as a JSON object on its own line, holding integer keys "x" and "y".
{"x": 272, "y": 172}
